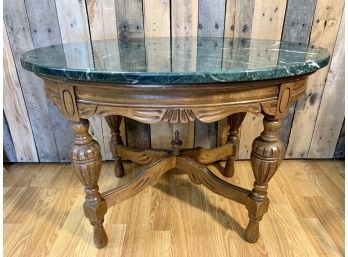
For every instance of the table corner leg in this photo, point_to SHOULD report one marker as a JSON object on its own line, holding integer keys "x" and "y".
{"x": 266, "y": 156}
{"x": 86, "y": 162}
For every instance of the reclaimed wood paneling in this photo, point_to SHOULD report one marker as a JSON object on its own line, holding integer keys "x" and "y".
{"x": 9, "y": 153}
{"x": 331, "y": 113}
{"x": 102, "y": 25}
{"x": 324, "y": 31}
{"x": 44, "y": 26}
{"x": 157, "y": 24}
{"x": 21, "y": 40}
{"x": 211, "y": 23}
{"x": 35, "y": 23}
{"x": 297, "y": 28}
{"x": 267, "y": 24}
{"x": 73, "y": 21}
{"x": 238, "y": 24}
{"x": 14, "y": 108}
{"x": 130, "y": 24}
{"x": 340, "y": 146}
{"x": 184, "y": 18}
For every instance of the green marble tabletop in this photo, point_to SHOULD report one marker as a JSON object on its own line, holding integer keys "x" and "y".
{"x": 170, "y": 61}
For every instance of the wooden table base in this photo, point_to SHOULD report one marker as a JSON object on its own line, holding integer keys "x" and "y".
{"x": 267, "y": 153}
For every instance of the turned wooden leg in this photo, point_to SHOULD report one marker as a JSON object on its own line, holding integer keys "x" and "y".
{"x": 266, "y": 156}
{"x": 114, "y": 122}
{"x": 86, "y": 162}
{"x": 234, "y": 121}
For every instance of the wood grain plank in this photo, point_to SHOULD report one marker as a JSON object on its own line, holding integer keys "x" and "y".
{"x": 157, "y": 24}
{"x": 102, "y": 25}
{"x": 18, "y": 29}
{"x": 267, "y": 24}
{"x": 9, "y": 154}
{"x": 73, "y": 22}
{"x": 130, "y": 24}
{"x": 325, "y": 27}
{"x": 129, "y": 18}
{"x": 297, "y": 28}
{"x": 331, "y": 112}
{"x": 45, "y": 31}
{"x": 340, "y": 146}
{"x": 211, "y": 22}
{"x": 15, "y": 109}
{"x": 184, "y": 18}
{"x": 319, "y": 238}
{"x": 238, "y": 24}
{"x": 102, "y": 19}
{"x": 156, "y": 18}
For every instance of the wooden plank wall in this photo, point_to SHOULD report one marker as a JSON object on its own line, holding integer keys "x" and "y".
{"x": 314, "y": 127}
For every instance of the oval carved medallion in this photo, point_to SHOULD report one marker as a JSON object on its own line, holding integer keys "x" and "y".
{"x": 284, "y": 100}
{"x": 68, "y": 102}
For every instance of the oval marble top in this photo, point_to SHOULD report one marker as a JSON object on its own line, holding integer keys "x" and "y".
{"x": 164, "y": 61}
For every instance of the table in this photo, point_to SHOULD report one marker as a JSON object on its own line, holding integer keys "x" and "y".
{"x": 177, "y": 80}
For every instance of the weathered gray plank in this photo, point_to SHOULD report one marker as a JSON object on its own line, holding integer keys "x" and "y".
{"x": 9, "y": 151}
{"x": 211, "y": 18}
{"x": 205, "y": 134}
{"x": 138, "y": 134}
{"x": 297, "y": 28}
{"x": 331, "y": 111}
{"x": 211, "y": 22}
{"x": 130, "y": 24}
{"x": 340, "y": 146}
{"x": 45, "y": 31}
{"x": 325, "y": 27}
{"x": 129, "y": 18}
{"x": 19, "y": 33}
{"x": 203, "y": 130}
{"x": 244, "y": 18}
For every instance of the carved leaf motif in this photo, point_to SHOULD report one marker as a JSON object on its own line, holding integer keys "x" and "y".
{"x": 178, "y": 115}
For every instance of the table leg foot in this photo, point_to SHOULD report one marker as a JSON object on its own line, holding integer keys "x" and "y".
{"x": 86, "y": 162}
{"x": 235, "y": 121}
{"x": 99, "y": 235}
{"x": 251, "y": 234}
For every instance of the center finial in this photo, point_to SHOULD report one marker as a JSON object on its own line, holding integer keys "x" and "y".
{"x": 176, "y": 143}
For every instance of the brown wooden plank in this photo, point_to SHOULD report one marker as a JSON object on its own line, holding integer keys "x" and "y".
{"x": 324, "y": 31}
{"x": 20, "y": 38}
{"x": 331, "y": 112}
{"x": 297, "y": 28}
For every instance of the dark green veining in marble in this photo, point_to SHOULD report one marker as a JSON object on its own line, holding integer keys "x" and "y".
{"x": 164, "y": 61}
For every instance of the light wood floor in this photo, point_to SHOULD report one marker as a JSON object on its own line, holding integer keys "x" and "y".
{"x": 43, "y": 214}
